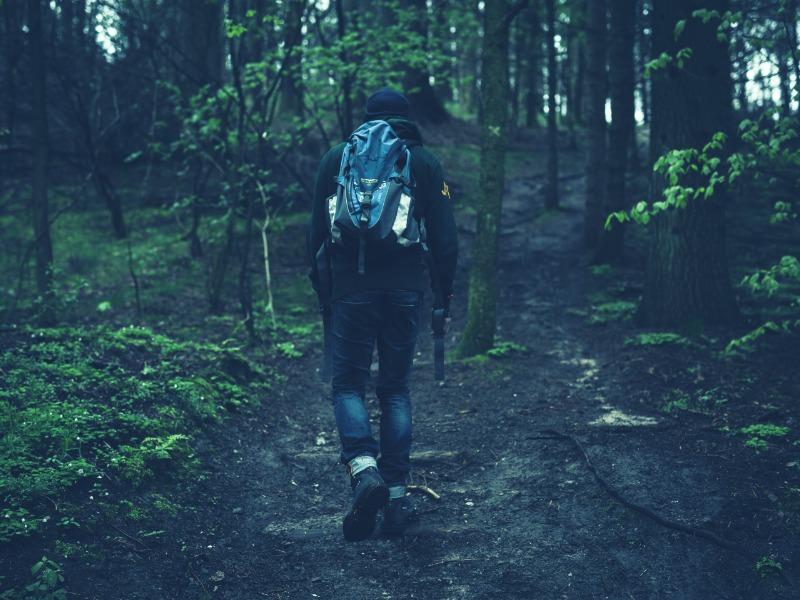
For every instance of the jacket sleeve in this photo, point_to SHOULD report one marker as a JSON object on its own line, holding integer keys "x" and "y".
{"x": 324, "y": 186}
{"x": 440, "y": 226}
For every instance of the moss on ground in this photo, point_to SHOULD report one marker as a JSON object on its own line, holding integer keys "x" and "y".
{"x": 93, "y": 417}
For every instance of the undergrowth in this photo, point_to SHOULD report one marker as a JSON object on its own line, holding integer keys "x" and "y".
{"x": 92, "y": 417}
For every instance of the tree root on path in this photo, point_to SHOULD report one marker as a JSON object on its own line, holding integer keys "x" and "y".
{"x": 424, "y": 489}
{"x": 688, "y": 529}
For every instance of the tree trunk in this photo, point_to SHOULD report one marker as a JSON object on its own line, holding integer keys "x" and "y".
{"x": 203, "y": 42}
{"x": 622, "y": 82}
{"x": 580, "y": 81}
{"x": 442, "y": 39}
{"x": 41, "y": 219}
{"x": 741, "y": 53}
{"x": 787, "y": 52}
{"x": 520, "y": 51}
{"x": 425, "y": 104}
{"x": 292, "y": 82}
{"x": 219, "y": 267}
{"x": 551, "y": 186}
{"x": 687, "y": 281}
{"x": 534, "y": 71}
{"x": 568, "y": 86}
{"x": 479, "y": 332}
{"x": 644, "y": 21}
{"x": 595, "y": 121}
{"x": 11, "y": 50}
{"x": 346, "y": 110}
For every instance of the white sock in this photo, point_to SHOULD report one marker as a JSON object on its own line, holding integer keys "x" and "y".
{"x": 397, "y": 491}
{"x": 359, "y": 463}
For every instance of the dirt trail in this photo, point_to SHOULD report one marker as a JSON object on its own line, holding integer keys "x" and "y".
{"x": 520, "y": 516}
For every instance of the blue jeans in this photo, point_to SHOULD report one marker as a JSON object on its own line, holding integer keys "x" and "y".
{"x": 390, "y": 318}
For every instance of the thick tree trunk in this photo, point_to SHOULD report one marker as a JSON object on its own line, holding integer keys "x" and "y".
{"x": 534, "y": 71}
{"x": 622, "y": 82}
{"x": 595, "y": 121}
{"x": 39, "y": 204}
{"x": 687, "y": 281}
{"x": 551, "y": 185}
{"x": 479, "y": 332}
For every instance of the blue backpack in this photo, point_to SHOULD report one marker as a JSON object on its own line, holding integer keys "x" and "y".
{"x": 374, "y": 203}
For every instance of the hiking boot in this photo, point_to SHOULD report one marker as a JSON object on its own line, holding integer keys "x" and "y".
{"x": 397, "y": 516}
{"x": 370, "y": 494}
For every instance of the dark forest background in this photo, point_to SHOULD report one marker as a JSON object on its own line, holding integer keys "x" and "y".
{"x": 157, "y": 159}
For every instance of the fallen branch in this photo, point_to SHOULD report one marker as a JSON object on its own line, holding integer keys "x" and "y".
{"x": 688, "y": 529}
{"x": 424, "y": 489}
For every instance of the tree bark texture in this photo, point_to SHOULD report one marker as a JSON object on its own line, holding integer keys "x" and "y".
{"x": 479, "y": 332}
{"x": 622, "y": 81}
{"x": 292, "y": 82}
{"x": 595, "y": 121}
{"x": 687, "y": 281}
{"x": 534, "y": 71}
{"x": 425, "y": 104}
{"x": 551, "y": 185}
{"x": 39, "y": 171}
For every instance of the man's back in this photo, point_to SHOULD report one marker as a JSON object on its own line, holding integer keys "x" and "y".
{"x": 398, "y": 267}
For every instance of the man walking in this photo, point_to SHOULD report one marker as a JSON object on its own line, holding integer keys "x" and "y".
{"x": 383, "y": 173}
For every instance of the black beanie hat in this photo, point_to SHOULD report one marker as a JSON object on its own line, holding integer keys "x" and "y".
{"x": 387, "y": 102}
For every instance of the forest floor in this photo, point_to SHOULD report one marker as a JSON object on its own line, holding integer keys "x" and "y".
{"x": 660, "y": 416}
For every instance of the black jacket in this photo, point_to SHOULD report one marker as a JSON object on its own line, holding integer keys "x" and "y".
{"x": 398, "y": 268}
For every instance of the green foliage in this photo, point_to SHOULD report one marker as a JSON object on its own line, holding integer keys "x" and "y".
{"x": 767, "y": 565}
{"x": 90, "y": 412}
{"x": 759, "y": 432}
{"x": 659, "y": 339}
{"x": 746, "y": 343}
{"x": 46, "y": 584}
{"x": 288, "y": 350}
{"x": 675, "y": 166}
{"x": 768, "y": 154}
{"x": 765, "y": 430}
{"x": 705, "y": 402}
{"x": 664, "y": 60}
{"x": 504, "y": 348}
{"x": 617, "y": 310}
{"x": 676, "y": 400}
{"x": 501, "y": 349}
{"x": 600, "y": 270}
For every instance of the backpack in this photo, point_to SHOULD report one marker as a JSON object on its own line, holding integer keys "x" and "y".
{"x": 374, "y": 201}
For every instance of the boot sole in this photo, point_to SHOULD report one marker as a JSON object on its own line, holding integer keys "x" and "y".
{"x": 360, "y": 521}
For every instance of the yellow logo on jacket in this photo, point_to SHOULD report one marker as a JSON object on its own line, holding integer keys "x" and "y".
{"x": 445, "y": 190}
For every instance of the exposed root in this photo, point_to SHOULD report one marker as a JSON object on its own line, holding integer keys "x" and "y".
{"x": 424, "y": 489}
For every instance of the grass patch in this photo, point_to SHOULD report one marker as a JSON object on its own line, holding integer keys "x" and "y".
{"x": 607, "y": 312}
{"x": 759, "y": 432}
{"x": 660, "y": 339}
{"x": 706, "y": 402}
{"x": 600, "y": 270}
{"x": 90, "y": 417}
{"x": 767, "y": 566}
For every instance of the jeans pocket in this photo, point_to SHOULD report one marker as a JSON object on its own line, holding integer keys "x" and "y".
{"x": 406, "y": 298}
{"x": 358, "y": 298}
